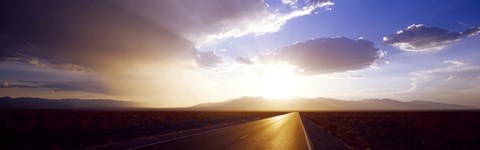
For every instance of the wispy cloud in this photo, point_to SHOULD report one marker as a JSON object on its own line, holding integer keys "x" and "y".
{"x": 290, "y": 2}
{"x": 460, "y": 70}
{"x": 83, "y": 86}
{"x": 264, "y": 20}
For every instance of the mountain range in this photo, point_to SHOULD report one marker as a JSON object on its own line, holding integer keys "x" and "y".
{"x": 316, "y": 104}
{"x": 240, "y": 104}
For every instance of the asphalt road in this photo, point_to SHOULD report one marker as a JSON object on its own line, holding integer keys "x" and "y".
{"x": 280, "y": 132}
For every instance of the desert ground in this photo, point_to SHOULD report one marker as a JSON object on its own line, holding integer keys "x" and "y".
{"x": 73, "y": 129}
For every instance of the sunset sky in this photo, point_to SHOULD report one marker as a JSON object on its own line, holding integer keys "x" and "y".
{"x": 183, "y": 52}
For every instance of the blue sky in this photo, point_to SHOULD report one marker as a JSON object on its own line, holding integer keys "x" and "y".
{"x": 369, "y": 19}
{"x": 180, "y": 53}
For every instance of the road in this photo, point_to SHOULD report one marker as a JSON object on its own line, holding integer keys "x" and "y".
{"x": 279, "y": 132}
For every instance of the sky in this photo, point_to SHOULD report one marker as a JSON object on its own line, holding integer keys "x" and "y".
{"x": 174, "y": 53}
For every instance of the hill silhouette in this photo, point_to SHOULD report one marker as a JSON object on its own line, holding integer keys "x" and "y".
{"x": 240, "y": 104}
{"x": 316, "y": 104}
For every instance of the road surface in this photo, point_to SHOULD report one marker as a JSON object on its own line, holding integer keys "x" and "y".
{"x": 280, "y": 132}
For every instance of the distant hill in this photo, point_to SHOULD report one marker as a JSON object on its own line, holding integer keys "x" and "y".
{"x": 240, "y": 104}
{"x": 315, "y": 104}
{"x": 40, "y": 103}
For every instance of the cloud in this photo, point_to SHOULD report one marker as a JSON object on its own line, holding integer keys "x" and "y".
{"x": 326, "y": 55}
{"x": 289, "y": 2}
{"x": 264, "y": 21}
{"x": 37, "y": 62}
{"x": 89, "y": 34}
{"x": 203, "y": 21}
{"x": 471, "y": 32}
{"x": 19, "y": 84}
{"x": 22, "y": 59}
{"x": 4, "y": 84}
{"x": 134, "y": 57}
{"x": 83, "y": 86}
{"x": 136, "y": 48}
{"x": 82, "y": 35}
{"x": 418, "y": 37}
{"x": 450, "y": 78}
{"x": 209, "y": 59}
{"x": 451, "y": 82}
{"x": 355, "y": 76}
{"x": 381, "y": 54}
{"x": 242, "y": 60}
{"x": 455, "y": 63}
{"x": 15, "y": 56}
{"x": 465, "y": 75}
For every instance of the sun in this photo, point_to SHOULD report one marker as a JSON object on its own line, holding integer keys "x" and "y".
{"x": 278, "y": 82}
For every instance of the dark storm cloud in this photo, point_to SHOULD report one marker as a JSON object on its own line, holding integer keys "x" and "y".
{"x": 209, "y": 59}
{"x": 418, "y": 37}
{"x": 326, "y": 55}
{"x": 242, "y": 60}
{"x": 84, "y": 33}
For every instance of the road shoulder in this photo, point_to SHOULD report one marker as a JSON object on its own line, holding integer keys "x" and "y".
{"x": 319, "y": 139}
